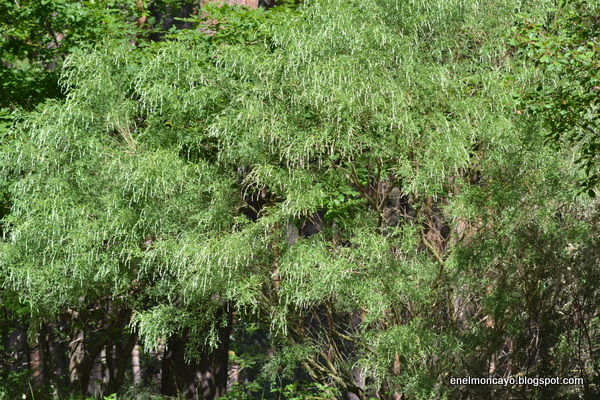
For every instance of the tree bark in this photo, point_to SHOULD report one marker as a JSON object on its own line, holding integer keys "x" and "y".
{"x": 81, "y": 361}
{"x": 205, "y": 378}
{"x": 135, "y": 365}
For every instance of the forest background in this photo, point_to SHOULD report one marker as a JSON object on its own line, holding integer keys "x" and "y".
{"x": 298, "y": 199}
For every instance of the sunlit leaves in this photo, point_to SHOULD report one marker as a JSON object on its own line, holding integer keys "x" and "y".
{"x": 565, "y": 49}
{"x": 291, "y": 168}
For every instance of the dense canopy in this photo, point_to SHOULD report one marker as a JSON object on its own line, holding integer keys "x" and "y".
{"x": 333, "y": 199}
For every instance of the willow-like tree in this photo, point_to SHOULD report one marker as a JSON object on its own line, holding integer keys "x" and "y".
{"x": 351, "y": 177}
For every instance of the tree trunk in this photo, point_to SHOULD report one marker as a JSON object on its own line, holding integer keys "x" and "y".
{"x": 135, "y": 365}
{"x": 80, "y": 366}
{"x": 81, "y": 359}
{"x": 122, "y": 351}
{"x": 205, "y": 378}
{"x": 35, "y": 365}
{"x": 17, "y": 344}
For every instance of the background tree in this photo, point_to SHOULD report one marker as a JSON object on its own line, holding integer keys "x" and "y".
{"x": 37, "y": 35}
{"x": 563, "y": 44}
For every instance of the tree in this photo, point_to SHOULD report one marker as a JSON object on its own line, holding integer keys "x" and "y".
{"x": 98, "y": 313}
{"x": 367, "y": 195}
{"x": 37, "y": 35}
{"x": 563, "y": 44}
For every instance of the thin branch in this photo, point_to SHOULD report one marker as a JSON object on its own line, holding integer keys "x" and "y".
{"x": 587, "y": 128}
{"x": 432, "y": 249}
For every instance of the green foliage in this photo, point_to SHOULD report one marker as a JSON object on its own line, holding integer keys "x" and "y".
{"x": 220, "y": 24}
{"x": 35, "y": 36}
{"x": 181, "y": 178}
{"x": 14, "y": 385}
{"x": 5, "y": 136}
{"x": 563, "y": 46}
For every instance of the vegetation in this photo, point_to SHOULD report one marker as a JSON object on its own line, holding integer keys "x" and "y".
{"x": 333, "y": 199}
{"x": 565, "y": 48}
